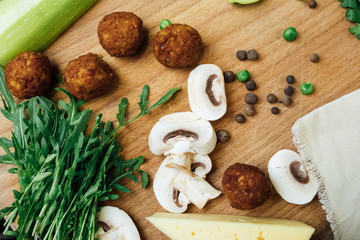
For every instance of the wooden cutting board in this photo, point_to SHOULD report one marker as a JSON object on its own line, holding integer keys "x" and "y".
{"x": 225, "y": 28}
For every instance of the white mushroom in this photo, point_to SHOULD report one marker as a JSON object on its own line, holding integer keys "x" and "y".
{"x": 290, "y": 178}
{"x": 181, "y": 132}
{"x": 115, "y": 224}
{"x": 185, "y": 139}
{"x": 201, "y": 165}
{"x": 206, "y": 90}
{"x": 175, "y": 187}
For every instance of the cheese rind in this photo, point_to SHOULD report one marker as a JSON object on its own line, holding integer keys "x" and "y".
{"x": 217, "y": 227}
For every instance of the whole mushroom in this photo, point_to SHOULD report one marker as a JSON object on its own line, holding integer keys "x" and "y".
{"x": 290, "y": 178}
{"x": 206, "y": 90}
{"x": 115, "y": 224}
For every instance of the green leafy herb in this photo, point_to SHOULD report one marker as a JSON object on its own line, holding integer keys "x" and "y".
{"x": 63, "y": 173}
{"x": 352, "y": 14}
{"x": 356, "y": 30}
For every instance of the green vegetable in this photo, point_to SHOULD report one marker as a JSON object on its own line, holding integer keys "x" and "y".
{"x": 164, "y": 23}
{"x": 290, "y": 34}
{"x": 62, "y": 172}
{"x": 33, "y": 25}
{"x": 307, "y": 88}
{"x": 352, "y": 14}
{"x": 243, "y": 75}
{"x": 356, "y": 30}
{"x": 243, "y": 1}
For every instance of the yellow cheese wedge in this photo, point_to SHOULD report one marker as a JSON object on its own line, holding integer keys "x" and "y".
{"x": 218, "y": 227}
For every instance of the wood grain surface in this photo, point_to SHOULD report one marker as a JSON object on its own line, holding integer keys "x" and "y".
{"x": 225, "y": 28}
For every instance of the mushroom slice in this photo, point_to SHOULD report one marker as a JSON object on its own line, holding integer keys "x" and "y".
{"x": 290, "y": 178}
{"x": 201, "y": 165}
{"x": 182, "y": 132}
{"x": 115, "y": 224}
{"x": 175, "y": 187}
{"x": 206, "y": 90}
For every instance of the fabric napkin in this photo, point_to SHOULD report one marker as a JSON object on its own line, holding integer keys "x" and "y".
{"x": 328, "y": 140}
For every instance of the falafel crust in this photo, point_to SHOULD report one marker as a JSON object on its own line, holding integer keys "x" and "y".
{"x": 177, "y": 46}
{"x": 28, "y": 75}
{"x": 246, "y": 186}
{"x": 120, "y": 33}
{"x": 88, "y": 77}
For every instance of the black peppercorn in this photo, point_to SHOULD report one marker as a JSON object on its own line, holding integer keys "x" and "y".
{"x": 241, "y": 55}
{"x": 252, "y": 55}
{"x": 240, "y": 118}
{"x": 312, "y": 4}
{"x": 271, "y": 98}
{"x": 314, "y": 58}
{"x": 251, "y": 98}
{"x": 289, "y": 90}
{"x": 222, "y": 136}
{"x": 250, "y": 85}
{"x": 286, "y": 100}
{"x": 249, "y": 110}
{"x": 290, "y": 79}
{"x": 229, "y": 76}
{"x": 275, "y": 110}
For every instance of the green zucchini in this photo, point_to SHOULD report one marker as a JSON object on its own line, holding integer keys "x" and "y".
{"x": 31, "y": 25}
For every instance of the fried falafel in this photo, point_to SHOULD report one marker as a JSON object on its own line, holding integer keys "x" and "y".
{"x": 120, "y": 33}
{"x": 246, "y": 186}
{"x": 88, "y": 77}
{"x": 177, "y": 46}
{"x": 28, "y": 75}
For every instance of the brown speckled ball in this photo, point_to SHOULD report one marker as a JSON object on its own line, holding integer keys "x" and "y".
{"x": 120, "y": 33}
{"x": 28, "y": 75}
{"x": 88, "y": 77}
{"x": 177, "y": 46}
{"x": 245, "y": 186}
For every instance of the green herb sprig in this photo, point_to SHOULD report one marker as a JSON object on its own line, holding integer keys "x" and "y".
{"x": 62, "y": 172}
{"x": 352, "y": 14}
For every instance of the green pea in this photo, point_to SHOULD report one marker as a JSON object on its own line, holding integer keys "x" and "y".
{"x": 290, "y": 34}
{"x": 243, "y": 75}
{"x": 307, "y": 88}
{"x": 164, "y": 23}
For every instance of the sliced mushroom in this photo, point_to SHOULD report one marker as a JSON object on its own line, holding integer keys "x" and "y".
{"x": 115, "y": 224}
{"x": 201, "y": 165}
{"x": 290, "y": 178}
{"x": 206, "y": 90}
{"x": 182, "y": 132}
{"x": 175, "y": 187}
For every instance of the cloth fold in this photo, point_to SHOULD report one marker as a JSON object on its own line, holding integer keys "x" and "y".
{"x": 328, "y": 140}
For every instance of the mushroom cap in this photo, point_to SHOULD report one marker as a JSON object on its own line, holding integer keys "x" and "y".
{"x": 120, "y": 223}
{"x": 180, "y": 133}
{"x": 290, "y": 179}
{"x": 206, "y": 90}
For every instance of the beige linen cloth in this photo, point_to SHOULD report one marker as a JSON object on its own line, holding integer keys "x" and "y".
{"x": 328, "y": 140}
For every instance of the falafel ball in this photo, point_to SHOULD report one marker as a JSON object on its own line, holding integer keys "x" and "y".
{"x": 28, "y": 75}
{"x": 120, "y": 33}
{"x": 88, "y": 77}
{"x": 246, "y": 186}
{"x": 177, "y": 46}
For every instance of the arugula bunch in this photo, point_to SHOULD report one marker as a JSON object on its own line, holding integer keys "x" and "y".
{"x": 63, "y": 173}
{"x": 352, "y": 14}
